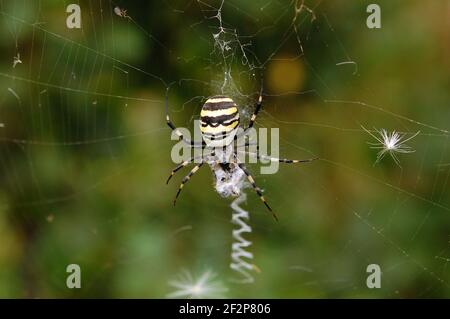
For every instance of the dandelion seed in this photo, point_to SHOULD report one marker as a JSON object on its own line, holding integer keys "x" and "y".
{"x": 390, "y": 143}
{"x": 204, "y": 287}
{"x": 17, "y": 60}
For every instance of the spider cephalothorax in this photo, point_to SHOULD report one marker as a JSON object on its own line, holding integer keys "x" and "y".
{"x": 219, "y": 123}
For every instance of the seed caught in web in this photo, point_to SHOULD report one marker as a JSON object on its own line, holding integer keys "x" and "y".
{"x": 205, "y": 286}
{"x": 390, "y": 143}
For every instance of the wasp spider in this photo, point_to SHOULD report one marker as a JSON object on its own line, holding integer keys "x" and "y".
{"x": 219, "y": 123}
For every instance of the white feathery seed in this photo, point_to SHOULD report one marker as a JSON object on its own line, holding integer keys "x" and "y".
{"x": 203, "y": 287}
{"x": 390, "y": 143}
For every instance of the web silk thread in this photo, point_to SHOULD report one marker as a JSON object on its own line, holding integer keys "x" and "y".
{"x": 240, "y": 256}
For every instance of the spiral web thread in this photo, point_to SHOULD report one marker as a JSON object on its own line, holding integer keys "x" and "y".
{"x": 240, "y": 256}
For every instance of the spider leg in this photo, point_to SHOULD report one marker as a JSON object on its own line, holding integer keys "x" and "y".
{"x": 282, "y": 160}
{"x": 285, "y": 160}
{"x": 185, "y": 163}
{"x": 257, "y": 189}
{"x": 180, "y": 166}
{"x": 186, "y": 179}
{"x": 174, "y": 128}
{"x": 255, "y": 113}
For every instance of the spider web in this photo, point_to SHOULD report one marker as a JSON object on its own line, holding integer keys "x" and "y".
{"x": 85, "y": 149}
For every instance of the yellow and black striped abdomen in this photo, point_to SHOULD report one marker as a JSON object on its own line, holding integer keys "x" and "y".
{"x": 219, "y": 120}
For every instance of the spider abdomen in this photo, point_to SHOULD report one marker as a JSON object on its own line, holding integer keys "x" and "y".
{"x": 228, "y": 179}
{"x": 219, "y": 121}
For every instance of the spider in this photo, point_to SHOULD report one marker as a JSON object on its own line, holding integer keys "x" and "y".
{"x": 219, "y": 123}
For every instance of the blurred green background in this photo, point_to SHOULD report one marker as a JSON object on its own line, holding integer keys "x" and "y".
{"x": 85, "y": 150}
